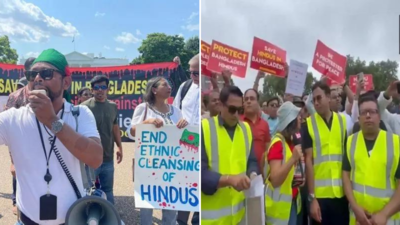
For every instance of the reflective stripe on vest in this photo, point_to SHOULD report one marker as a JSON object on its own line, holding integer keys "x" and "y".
{"x": 326, "y": 158}
{"x": 276, "y": 221}
{"x": 214, "y": 143}
{"x": 275, "y": 195}
{"x": 227, "y": 211}
{"x": 278, "y": 201}
{"x": 372, "y": 191}
{"x": 215, "y": 214}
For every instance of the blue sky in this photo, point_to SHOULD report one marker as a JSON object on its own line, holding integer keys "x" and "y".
{"x": 113, "y": 28}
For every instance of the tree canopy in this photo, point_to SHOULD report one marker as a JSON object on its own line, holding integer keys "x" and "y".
{"x": 383, "y": 72}
{"x": 7, "y": 54}
{"x": 160, "y": 47}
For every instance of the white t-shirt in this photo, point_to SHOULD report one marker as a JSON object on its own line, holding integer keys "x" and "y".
{"x": 19, "y": 130}
{"x": 190, "y": 103}
{"x": 172, "y": 117}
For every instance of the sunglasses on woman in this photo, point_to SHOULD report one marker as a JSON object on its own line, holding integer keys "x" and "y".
{"x": 46, "y": 74}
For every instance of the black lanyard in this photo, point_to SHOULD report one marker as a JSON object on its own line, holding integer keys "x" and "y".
{"x": 48, "y": 176}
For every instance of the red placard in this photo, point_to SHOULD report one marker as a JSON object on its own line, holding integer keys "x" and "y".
{"x": 329, "y": 63}
{"x": 205, "y": 54}
{"x": 268, "y": 58}
{"x": 226, "y": 57}
{"x": 368, "y": 82}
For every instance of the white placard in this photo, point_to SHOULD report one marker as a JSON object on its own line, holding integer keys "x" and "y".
{"x": 167, "y": 168}
{"x": 296, "y": 78}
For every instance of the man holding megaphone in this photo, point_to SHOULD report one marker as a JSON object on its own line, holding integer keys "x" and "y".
{"x": 48, "y": 159}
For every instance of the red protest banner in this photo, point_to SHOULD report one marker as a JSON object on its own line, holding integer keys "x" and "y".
{"x": 268, "y": 58}
{"x": 329, "y": 63}
{"x": 368, "y": 82}
{"x": 226, "y": 57}
{"x": 126, "y": 88}
{"x": 205, "y": 55}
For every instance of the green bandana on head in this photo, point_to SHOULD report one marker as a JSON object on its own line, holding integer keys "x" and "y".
{"x": 54, "y": 58}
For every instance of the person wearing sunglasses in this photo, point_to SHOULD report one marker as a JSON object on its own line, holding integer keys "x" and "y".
{"x": 156, "y": 111}
{"x": 46, "y": 125}
{"x": 228, "y": 162}
{"x": 272, "y": 116}
{"x": 106, "y": 114}
{"x": 84, "y": 94}
{"x": 17, "y": 99}
{"x": 187, "y": 100}
{"x": 323, "y": 140}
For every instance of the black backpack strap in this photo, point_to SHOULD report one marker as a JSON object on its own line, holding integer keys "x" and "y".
{"x": 184, "y": 90}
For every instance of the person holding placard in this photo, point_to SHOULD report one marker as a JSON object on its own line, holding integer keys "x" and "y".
{"x": 228, "y": 162}
{"x": 284, "y": 169}
{"x": 155, "y": 111}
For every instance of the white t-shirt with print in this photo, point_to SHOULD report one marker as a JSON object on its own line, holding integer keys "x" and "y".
{"x": 19, "y": 130}
{"x": 172, "y": 117}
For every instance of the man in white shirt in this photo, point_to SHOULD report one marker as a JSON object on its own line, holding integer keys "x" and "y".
{"x": 188, "y": 102}
{"x": 44, "y": 191}
{"x": 391, "y": 120}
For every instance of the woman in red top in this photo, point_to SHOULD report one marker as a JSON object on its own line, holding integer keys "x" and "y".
{"x": 280, "y": 168}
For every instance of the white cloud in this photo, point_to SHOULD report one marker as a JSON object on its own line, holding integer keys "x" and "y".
{"x": 297, "y": 25}
{"x": 193, "y": 15}
{"x": 119, "y": 49}
{"x": 99, "y": 14}
{"x": 190, "y": 27}
{"x": 106, "y": 47}
{"x": 192, "y": 23}
{"x": 180, "y": 35}
{"x": 127, "y": 38}
{"x": 32, "y": 54}
{"x": 84, "y": 53}
{"x": 27, "y": 22}
{"x": 138, "y": 33}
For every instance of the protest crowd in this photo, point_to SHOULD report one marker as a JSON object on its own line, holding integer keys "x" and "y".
{"x": 40, "y": 117}
{"x": 330, "y": 156}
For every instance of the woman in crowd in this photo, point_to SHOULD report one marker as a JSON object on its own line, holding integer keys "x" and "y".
{"x": 84, "y": 94}
{"x": 283, "y": 176}
{"x": 155, "y": 111}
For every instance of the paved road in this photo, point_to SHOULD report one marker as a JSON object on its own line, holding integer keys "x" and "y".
{"x": 123, "y": 190}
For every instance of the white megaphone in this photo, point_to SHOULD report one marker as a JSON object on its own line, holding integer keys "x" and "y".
{"x": 93, "y": 210}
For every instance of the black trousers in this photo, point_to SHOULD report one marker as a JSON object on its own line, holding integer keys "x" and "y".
{"x": 334, "y": 211}
{"x": 183, "y": 218}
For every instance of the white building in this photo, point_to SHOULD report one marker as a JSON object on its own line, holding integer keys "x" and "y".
{"x": 76, "y": 59}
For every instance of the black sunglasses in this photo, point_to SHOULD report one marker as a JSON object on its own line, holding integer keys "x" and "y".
{"x": 194, "y": 73}
{"x": 233, "y": 109}
{"x": 100, "y": 87}
{"x": 46, "y": 74}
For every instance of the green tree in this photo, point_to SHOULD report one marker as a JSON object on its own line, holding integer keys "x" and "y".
{"x": 383, "y": 72}
{"x": 160, "y": 47}
{"x": 7, "y": 54}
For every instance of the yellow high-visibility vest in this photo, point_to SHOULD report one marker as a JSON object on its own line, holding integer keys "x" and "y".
{"x": 373, "y": 177}
{"x": 226, "y": 206}
{"x": 328, "y": 151}
{"x": 278, "y": 201}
